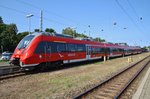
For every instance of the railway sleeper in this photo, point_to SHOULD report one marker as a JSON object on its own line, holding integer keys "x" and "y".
{"x": 101, "y": 97}
{"x": 108, "y": 91}
{"x": 113, "y": 88}
{"x": 106, "y": 94}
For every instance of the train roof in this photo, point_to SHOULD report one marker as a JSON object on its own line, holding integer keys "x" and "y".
{"x": 69, "y": 39}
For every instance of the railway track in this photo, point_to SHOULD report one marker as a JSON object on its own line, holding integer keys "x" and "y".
{"x": 4, "y": 70}
{"x": 10, "y": 71}
{"x": 114, "y": 87}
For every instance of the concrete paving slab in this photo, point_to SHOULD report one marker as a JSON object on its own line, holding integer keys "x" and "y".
{"x": 143, "y": 91}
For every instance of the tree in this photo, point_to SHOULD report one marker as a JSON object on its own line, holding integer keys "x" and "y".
{"x": 2, "y": 28}
{"x": 50, "y": 30}
{"x": 69, "y": 31}
{"x": 97, "y": 39}
{"x": 81, "y": 35}
{"x": 1, "y": 20}
{"x": 21, "y": 35}
{"x": 8, "y": 37}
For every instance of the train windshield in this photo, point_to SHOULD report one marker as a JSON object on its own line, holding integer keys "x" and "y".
{"x": 25, "y": 41}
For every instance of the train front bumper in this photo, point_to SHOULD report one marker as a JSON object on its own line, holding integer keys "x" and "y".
{"x": 27, "y": 65}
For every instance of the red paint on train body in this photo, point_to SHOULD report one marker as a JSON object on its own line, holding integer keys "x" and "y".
{"x": 39, "y": 48}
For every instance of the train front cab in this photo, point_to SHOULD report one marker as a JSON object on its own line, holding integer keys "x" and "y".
{"x": 23, "y": 52}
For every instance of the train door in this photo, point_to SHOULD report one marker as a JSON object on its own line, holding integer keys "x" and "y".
{"x": 111, "y": 51}
{"x": 88, "y": 52}
{"x": 107, "y": 51}
{"x": 47, "y": 51}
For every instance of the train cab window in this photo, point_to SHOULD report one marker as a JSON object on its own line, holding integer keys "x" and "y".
{"x": 25, "y": 41}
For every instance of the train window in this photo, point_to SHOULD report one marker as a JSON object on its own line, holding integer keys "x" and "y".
{"x": 114, "y": 50}
{"x": 107, "y": 50}
{"x": 61, "y": 47}
{"x": 98, "y": 50}
{"x": 52, "y": 47}
{"x": 93, "y": 50}
{"x": 43, "y": 47}
{"x": 102, "y": 50}
{"x": 126, "y": 50}
{"x": 40, "y": 48}
{"x": 72, "y": 47}
{"x": 48, "y": 48}
{"x": 117, "y": 49}
{"x": 80, "y": 47}
{"x": 25, "y": 41}
{"x": 121, "y": 50}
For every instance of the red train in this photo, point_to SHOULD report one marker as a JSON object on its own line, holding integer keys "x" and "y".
{"x": 41, "y": 48}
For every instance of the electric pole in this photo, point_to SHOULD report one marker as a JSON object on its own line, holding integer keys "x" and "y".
{"x": 41, "y": 21}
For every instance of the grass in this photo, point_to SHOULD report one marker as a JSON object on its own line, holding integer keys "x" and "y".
{"x": 62, "y": 82}
{"x": 4, "y": 60}
{"x": 67, "y": 82}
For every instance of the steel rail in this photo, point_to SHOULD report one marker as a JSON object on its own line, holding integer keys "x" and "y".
{"x": 131, "y": 80}
{"x": 9, "y": 70}
{"x": 107, "y": 80}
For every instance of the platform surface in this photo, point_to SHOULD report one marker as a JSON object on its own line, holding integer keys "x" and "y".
{"x": 143, "y": 91}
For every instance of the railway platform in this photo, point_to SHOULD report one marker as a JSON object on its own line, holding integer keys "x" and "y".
{"x": 144, "y": 88}
{"x": 4, "y": 64}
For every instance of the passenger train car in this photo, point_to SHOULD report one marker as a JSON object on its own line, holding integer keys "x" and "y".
{"x": 41, "y": 48}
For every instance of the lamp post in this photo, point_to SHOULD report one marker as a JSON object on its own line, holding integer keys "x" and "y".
{"x": 29, "y": 17}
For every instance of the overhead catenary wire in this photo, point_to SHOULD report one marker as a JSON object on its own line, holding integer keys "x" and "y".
{"x": 53, "y": 13}
{"x": 24, "y": 12}
{"x": 131, "y": 19}
{"x": 48, "y": 12}
{"x": 12, "y": 9}
{"x": 36, "y": 16}
{"x": 136, "y": 14}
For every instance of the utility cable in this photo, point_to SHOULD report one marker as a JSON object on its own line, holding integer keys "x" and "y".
{"x": 60, "y": 16}
{"x": 128, "y": 15}
{"x": 23, "y": 12}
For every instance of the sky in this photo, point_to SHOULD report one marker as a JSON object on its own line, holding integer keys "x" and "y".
{"x": 79, "y": 14}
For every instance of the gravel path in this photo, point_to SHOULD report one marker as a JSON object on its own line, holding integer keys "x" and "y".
{"x": 62, "y": 83}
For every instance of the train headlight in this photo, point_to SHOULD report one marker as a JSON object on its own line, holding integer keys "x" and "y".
{"x": 40, "y": 56}
{"x": 21, "y": 63}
